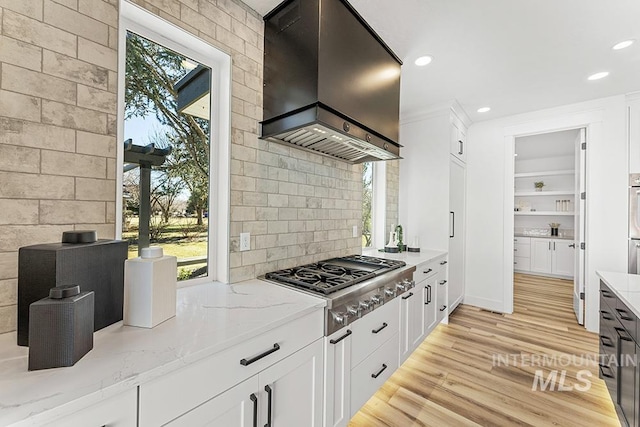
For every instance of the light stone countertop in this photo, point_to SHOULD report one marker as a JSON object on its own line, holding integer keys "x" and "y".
{"x": 543, "y": 236}
{"x": 625, "y": 286}
{"x": 210, "y": 318}
{"x": 411, "y": 258}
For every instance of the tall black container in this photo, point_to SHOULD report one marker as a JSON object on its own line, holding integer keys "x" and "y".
{"x": 95, "y": 265}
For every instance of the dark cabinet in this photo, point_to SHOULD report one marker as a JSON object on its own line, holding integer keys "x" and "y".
{"x": 618, "y": 349}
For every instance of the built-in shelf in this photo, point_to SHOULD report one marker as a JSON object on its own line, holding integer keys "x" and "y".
{"x": 545, "y": 173}
{"x": 543, "y": 213}
{"x": 544, "y": 193}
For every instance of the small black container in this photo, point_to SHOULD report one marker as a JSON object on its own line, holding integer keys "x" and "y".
{"x": 554, "y": 231}
{"x": 60, "y": 328}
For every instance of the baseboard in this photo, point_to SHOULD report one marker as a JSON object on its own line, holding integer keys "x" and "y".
{"x": 484, "y": 303}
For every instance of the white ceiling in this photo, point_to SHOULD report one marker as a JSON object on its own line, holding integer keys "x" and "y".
{"x": 514, "y": 56}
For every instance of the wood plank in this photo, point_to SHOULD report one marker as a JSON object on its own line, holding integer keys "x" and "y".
{"x": 453, "y": 378}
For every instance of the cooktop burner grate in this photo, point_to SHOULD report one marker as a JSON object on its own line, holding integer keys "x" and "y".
{"x": 320, "y": 277}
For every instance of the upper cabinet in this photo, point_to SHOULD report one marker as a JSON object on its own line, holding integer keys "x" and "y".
{"x": 633, "y": 120}
{"x": 458, "y": 139}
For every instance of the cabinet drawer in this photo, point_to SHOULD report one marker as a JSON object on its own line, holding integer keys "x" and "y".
{"x": 521, "y": 263}
{"x": 426, "y": 270}
{"x": 607, "y": 296}
{"x": 626, "y": 318}
{"x": 369, "y": 376}
{"x": 522, "y": 240}
{"x": 522, "y": 250}
{"x": 188, "y": 387}
{"x": 370, "y": 332}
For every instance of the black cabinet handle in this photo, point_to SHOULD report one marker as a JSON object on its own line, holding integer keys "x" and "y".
{"x": 444, "y": 307}
{"x": 377, "y": 374}
{"x": 269, "y": 393}
{"x": 623, "y": 314}
{"x": 606, "y": 315}
{"x": 453, "y": 229}
{"x": 624, "y": 336}
{"x": 409, "y": 295}
{"x": 375, "y": 331}
{"x": 247, "y": 362}
{"x": 428, "y": 288}
{"x": 337, "y": 340}
{"x": 428, "y": 271}
{"x": 442, "y": 282}
{"x": 444, "y": 262}
{"x": 460, "y": 142}
{"x": 609, "y": 343}
{"x": 605, "y": 293}
{"x": 602, "y": 371}
{"x": 254, "y": 399}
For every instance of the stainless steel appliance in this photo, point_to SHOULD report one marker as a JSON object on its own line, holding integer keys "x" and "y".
{"x": 353, "y": 286}
{"x": 634, "y": 222}
{"x": 331, "y": 84}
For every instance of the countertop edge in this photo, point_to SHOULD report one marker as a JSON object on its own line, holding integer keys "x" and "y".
{"x": 610, "y": 282}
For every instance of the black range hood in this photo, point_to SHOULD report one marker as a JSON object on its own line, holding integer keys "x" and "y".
{"x": 331, "y": 85}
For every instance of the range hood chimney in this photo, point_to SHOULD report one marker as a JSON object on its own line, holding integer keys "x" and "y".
{"x": 331, "y": 85}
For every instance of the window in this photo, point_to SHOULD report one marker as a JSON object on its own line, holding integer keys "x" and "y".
{"x": 367, "y": 204}
{"x": 174, "y": 158}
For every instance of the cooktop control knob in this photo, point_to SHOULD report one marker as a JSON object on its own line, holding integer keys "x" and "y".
{"x": 389, "y": 292}
{"x": 340, "y": 317}
{"x": 376, "y": 299}
{"x": 401, "y": 287}
{"x": 365, "y": 304}
{"x": 408, "y": 283}
{"x": 353, "y": 310}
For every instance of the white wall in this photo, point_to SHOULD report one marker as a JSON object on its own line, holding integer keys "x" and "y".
{"x": 489, "y": 268}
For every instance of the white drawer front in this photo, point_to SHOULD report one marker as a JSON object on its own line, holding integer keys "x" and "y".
{"x": 188, "y": 387}
{"x": 426, "y": 270}
{"x": 521, "y": 263}
{"x": 365, "y": 340}
{"x": 522, "y": 240}
{"x": 522, "y": 250}
{"x": 363, "y": 383}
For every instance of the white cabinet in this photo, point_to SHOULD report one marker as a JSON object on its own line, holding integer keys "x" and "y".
{"x": 337, "y": 380}
{"x": 633, "y": 121}
{"x": 288, "y": 393}
{"x": 373, "y": 330}
{"x": 189, "y": 387}
{"x": 458, "y": 140}
{"x": 117, "y": 411}
{"x": 412, "y": 325}
{"x": 457, "y": 210}
{"x": 552, "y": 256}
{"x": 430, "y": 289}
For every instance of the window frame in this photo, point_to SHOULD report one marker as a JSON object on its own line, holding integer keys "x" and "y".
{"x": 140, "y": 21}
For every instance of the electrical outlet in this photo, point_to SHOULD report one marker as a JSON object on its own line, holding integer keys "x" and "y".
{"x": 355, "y": 231}
{"x": 245, "y": 241}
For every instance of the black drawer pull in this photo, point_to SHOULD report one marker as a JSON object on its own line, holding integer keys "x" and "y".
{"x": 602, "y": 371}
{"x": 269, "y": 391}
{"x": 247, "y": 362}
{"x": 444, "y": 307}
{"x": 375, "y": 331}
{"x": 337, "y": 340}
{"x": 443, "y": 262}
{"x": 409, "y": 295}
{"x": 428, "y": 271}
{"x": 623, "y": 314}
{"x": 377, "y": 374}
{"x": 609, "y": 343}
{"x": 605, "y": 293}
{"x": 428, "y": 288}
{"x": 254, "y": 399}
{"x": 443, "y": 282}
{"x": 624, "y": 335}
{"x": 606, "y": 315}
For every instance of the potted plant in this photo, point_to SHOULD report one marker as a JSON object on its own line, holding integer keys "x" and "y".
{"x": 539, "y": 185}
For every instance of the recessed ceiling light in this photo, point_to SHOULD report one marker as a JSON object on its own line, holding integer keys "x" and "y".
{"x": 623, "y": 44}
{"x": 484, "y": 109}
{"x": 598, "y": 76}
{"x": 423, "y": 60}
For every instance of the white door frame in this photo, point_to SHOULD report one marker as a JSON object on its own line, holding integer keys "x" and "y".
{"x": 592, "y": 121}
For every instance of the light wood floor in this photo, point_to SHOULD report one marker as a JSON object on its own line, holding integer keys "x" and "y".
{"x": 451, "y": 379}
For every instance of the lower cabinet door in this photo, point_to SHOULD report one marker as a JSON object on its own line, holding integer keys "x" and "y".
{"x": 540, "y": 256}
{"x": 372, "y": 372}
{"x": 408, "y": 327}
{"x": 627, "y": 376}
{"x": 337, "y": 379}
{"x": 236, "y": 407}
{"x": 419, "y": 329}
{"x": 291, "y": 390}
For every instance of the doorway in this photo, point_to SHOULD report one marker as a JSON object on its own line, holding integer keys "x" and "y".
{"x": 549, "y": 208}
